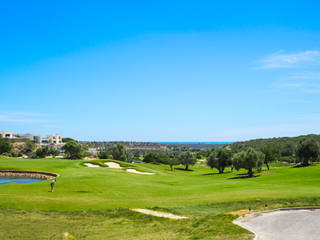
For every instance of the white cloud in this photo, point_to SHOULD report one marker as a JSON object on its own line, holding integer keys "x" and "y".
{"x": 292, "y": 85}
{"x": 305, "y": 75}
{"x": 288, "y": 60}
{"x": 21, "y": 117}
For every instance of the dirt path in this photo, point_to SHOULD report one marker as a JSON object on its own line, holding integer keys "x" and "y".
{"x": 283, "y": 225}
{"x": 158, "y": 214}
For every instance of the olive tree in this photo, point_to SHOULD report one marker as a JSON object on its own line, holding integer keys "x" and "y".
{"x": 271, "y": 154}
{"x": 237, "y": 160}
{"x": 119, "y": 152}
{"x": 73, "y": 150}
{"x": 248, "y": 160}
{"x": 172, "y": 160}
{"x": 306, "y": 151}
{"x": 186, "y": 159}
{"x": 219, "y": 159}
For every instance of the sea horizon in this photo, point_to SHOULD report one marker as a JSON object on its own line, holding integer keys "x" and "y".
{"x": 200, "y": 142}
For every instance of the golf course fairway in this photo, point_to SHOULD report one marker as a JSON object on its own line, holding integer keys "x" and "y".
{"x": 95, "y": 203}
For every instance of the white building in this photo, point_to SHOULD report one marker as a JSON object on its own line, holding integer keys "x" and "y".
{"x": 55, "y": 139}
{"x": 36, "y": 138}
{"x": 7, "y": 135}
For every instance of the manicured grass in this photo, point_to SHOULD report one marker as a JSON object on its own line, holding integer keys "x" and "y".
{"x": 113, "y": 224}
{"x": 83, "y": 196}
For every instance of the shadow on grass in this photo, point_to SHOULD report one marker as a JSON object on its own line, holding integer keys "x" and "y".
{"x": 244, "y": 176}
{"x": 182, "y": 169}
{"x": 217, "y": 173}
{"x": 303, "y": 165}
{"x": 82, "y": 191}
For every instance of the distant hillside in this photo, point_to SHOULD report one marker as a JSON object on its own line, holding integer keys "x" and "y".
{"x": 154, "y": 146}
{"x": 286, "y": 145}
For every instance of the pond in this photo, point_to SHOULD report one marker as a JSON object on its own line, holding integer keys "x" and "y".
{"x": 18, "y": 180}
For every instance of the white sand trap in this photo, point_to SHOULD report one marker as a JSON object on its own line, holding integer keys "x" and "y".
{"x": 283, "y": 225}
{"x": 91, "y": 165}
{"x": 113, "y": 165}
{"x": 138, "y": 172}
{"x": 158, "y": 214}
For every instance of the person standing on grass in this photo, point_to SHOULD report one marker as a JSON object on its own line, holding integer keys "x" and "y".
{"x": 52, "y": 184}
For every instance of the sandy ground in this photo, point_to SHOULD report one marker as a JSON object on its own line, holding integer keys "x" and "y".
{"x": 138, "y": 172}
{"x": 113, "y": 165}
{"x": 117, "y": 165}
{"x": 283, "y": 225}
{"x": 158, "y": 214}
{"x": 91, "y": 165}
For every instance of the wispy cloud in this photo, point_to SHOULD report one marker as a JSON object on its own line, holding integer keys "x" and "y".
{"x": 307, "y": 82}
{"x": 281, "y": 59}
{"x": 22, "y": 117}
{"x": 306, "y": 87}
{"x": 305, "y": 75}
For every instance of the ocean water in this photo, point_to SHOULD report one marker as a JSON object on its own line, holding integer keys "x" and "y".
{"x": 174, "y": 143}
{"x": 16, "y": 180}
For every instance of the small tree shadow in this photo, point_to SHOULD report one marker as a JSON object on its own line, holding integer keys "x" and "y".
{"x": 211, "y": 174}
{"x": 302, "y": 165}
{"x": 243, "y": 177}
{"x": 217, "y": 173}
{"x": 182, "y": 169}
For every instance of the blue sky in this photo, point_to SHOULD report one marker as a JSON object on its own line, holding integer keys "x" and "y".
{"x": 160, "y": 70}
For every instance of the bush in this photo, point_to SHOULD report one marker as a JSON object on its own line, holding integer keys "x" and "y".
{"x": 104, "y": 153}
{"x": 5, "y": 146}
{"x": 73, "y": 150}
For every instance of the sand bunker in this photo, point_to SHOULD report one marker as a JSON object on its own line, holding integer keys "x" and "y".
{"x": 117, "y": 165}
{"x": 113, "y": 165}
{"x": 158, "y": 214}
{"x": 283, "y": 225}
{"x": 91, "y": 165}
{"x": 138, "y": 172}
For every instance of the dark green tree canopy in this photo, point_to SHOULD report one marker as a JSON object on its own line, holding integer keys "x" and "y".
{"x": 219, "y": 159}
{"x": 154, "y": 157}
{"x": 119, "y": 152}
{"x": 73, "y": 150}
{"x": 5, "y": 146}
{"x": 307, "y": 150}
{"x": 248, "y": 160}
{"x": 271, "y": 153}
{"x": 186, "y": 159}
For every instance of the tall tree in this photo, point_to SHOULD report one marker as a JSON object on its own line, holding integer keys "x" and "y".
{"x": 172, "y": 160}
{"x": 119, "y": 152}
{"x": 186, "y": 159}
{"x": 73, "y": 150}
{"x": 237, "y": 160}
{"x": 307, "y": 150}
{"x": 219, "y": 159}
{"x": 271, "y": 154}
{"x": 251, "y": 160}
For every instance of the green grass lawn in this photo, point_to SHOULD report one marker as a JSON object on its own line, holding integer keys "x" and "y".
{"x": 98, "y": 199}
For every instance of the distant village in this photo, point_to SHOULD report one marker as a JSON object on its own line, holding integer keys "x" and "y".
{"x": 54, "y": 140}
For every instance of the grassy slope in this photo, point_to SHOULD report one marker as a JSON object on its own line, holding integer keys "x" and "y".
{"x": 201, "y": 194}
